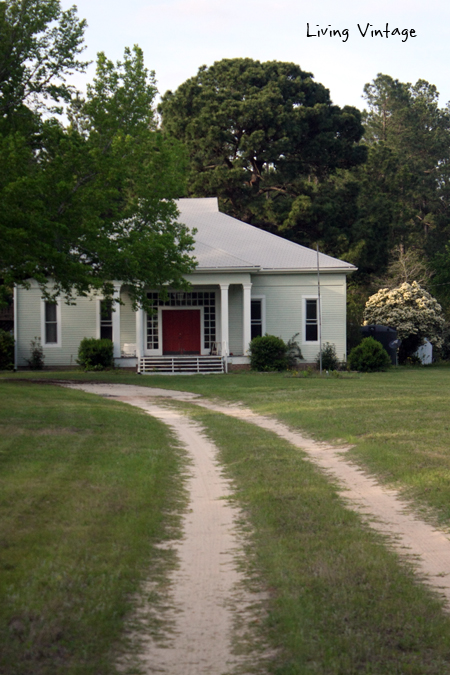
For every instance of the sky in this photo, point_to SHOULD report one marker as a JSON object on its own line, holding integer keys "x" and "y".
{"x": 179, "y": 36}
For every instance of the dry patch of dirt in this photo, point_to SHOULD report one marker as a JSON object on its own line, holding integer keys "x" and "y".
{"x": 127, "y": 390}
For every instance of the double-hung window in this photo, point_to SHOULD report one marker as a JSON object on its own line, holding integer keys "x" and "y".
{"x": 106, "y": 323}
{"x": 311, "y": 320}
{"x": 51, "y": 323}
{"x": 256, "y": 321}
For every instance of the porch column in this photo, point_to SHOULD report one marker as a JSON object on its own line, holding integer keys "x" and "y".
{"x": 116, "y": 321}
{"x": 140, "y": 333}
{"x": 246, "y": 317}
{"x": 224, "y": 318}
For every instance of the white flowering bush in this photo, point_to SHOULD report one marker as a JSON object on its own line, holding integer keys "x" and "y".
{"x": 412, "y": 311}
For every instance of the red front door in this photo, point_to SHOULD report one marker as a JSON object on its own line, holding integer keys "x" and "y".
{"x": 181, "y": 331}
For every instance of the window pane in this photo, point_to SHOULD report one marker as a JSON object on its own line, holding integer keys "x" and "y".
{"x": 311, "y": 310}
{"x": 51, "y": 334}
{"x": 106, "y": 310}
{"x": 311, "y": 333}
{"x": 256, "y": 331}
{"x": 50, "y": 311}
{"x": 256, "y": 310}
{"x": 106, "y": 332}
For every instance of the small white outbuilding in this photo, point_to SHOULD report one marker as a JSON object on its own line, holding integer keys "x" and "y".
{"x": 425, "y": 353}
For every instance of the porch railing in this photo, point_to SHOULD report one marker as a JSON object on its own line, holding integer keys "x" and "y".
{"x": 182, "y": 364}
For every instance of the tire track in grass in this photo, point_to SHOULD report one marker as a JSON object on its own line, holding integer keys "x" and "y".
{"x": 427, "y": 547}
{"x": 208, "y": 596}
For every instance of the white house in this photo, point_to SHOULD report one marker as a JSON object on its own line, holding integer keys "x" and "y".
{"x": 247, "y": 283}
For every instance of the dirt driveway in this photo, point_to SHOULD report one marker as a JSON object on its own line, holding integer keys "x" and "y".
{"x": 207, "y": 578}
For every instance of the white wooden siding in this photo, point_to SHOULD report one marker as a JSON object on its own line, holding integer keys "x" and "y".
{"x": 284, "y": 308}
{"x": 29, "y": 321}
{"x": 77, "y": 321}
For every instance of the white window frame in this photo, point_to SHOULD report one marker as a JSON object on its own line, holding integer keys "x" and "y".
{"x": 319, "y": 307}
{"x": 262, "y": 298}
{"x": 57, "y": 344}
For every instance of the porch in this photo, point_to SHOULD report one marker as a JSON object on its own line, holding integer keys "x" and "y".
{"x": 213, "y": 319}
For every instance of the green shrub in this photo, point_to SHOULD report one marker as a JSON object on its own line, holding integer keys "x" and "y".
{"x": 6, "y": 350}
{"x": 95, "y": 354}
{"x": 369, "y": 356}
{"x": 268, "y": 352}
{"x": 293, "y": 352}
{"x": 36, "y": 362}
{"x": 330, "y": 360}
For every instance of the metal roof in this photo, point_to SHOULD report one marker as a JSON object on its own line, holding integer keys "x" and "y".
{"x": 225, "y": 243}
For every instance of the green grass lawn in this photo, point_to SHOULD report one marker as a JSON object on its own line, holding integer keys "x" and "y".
{"x": 339, "y": 602}
{"x": 398, "y": 421}
{"x": 86, "y": 487}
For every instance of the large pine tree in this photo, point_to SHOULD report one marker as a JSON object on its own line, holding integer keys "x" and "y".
{"x": 268, "y": 141}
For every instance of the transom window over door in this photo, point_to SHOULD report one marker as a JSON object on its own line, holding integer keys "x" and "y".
{"x": 311, "y": 320}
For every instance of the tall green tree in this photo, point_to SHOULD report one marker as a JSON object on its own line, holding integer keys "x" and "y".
{"x": 40, "y": 45}
{"x": 267, "y": 140}
{"x": 403, "y": 197}
{"x": 91, "y": 201}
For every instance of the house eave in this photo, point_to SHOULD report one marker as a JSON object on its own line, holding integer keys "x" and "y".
{"x": 284, "y": 270}
{"x": 308, "y": 270}
{"x": 224, "y": 270}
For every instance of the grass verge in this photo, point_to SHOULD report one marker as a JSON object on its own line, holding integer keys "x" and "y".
{"x": 88, "y": 487}
{"x": 340, "y": 603}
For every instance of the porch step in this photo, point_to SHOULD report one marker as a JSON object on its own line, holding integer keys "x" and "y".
{"x": 181, "y": 364}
